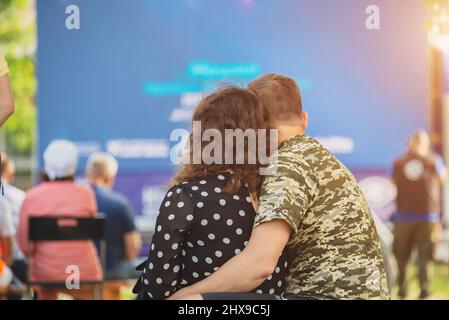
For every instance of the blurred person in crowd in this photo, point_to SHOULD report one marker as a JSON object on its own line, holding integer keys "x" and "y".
{"x": 419, "y": 176}
{"x": 123, "y": 241}
{"x": 6, "y": 99}
{"x": 314, "y": 207}
{"x": 6, "y": 276}
{"x": 207, "y": 215}
{"x": 7, "y": 249}
{"x": 7, "y": 232}
{"x": 13, "y": 197}
{"x": 59, "y": 195}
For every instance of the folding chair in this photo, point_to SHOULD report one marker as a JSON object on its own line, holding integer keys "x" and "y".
{"x": 69, "y": 229}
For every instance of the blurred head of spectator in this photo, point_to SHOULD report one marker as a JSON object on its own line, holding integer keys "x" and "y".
{"x": 8, "y": 169}
{"x": 101, "y": 169}
{"x": 419, "y": 143}
{"x": 60, "y": 161}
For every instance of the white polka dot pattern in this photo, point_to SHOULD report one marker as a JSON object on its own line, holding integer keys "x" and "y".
{"x": 199, "y": 227}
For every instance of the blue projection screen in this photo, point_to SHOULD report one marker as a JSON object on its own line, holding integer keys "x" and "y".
{"x": 134, "y": 71}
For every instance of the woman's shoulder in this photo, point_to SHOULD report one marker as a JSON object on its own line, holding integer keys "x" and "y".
{"x": 35, "y": 190}
{"x": 203, "y": 182}
{"x": 77, "y": 189}
{"x": 191, "y": 194}
{"x": 40, "y": 190}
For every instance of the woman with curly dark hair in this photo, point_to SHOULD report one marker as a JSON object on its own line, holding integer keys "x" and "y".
{"x": 207, "y": 215}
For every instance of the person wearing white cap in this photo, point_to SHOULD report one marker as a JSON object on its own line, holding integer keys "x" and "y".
{"x": 59, "y": 195}
{"x": 61, "y": 160}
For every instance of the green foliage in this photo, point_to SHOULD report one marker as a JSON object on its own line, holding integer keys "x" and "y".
{"x": 18, "y": 40}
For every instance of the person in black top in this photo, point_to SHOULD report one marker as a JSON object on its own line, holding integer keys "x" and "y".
{"x": 207, "y": 215}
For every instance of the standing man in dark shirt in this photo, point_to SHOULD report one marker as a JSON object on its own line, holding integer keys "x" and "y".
{"x": 419, "y": 175}
{"x": 122, "y": 238}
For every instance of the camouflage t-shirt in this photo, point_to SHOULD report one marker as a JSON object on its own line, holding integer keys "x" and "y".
{"x": 334, "y": 250}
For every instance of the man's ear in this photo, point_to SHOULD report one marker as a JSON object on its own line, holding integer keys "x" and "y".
{"x": 305, "y": 119}
{"x": 88, "y": 176}
{"x": 110, "y": 181}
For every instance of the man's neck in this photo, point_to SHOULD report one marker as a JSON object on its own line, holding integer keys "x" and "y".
{"x": 5, "y": 180}
{"x": 286, "y": 132}
{"x": 99, "y": 183}
{"x": 420, "y": 152}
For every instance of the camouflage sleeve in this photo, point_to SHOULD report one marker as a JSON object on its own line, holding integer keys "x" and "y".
{"x": 286, "y": 194}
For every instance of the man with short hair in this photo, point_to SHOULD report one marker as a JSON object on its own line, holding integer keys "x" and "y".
{"x": 123, "y": 241}
{"x": 419, "y": 175}
{"x": 6, "y": 99}
{"x": 314, "y": 206}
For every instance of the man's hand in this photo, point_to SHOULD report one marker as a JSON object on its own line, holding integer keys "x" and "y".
{"x": 133, "y": 244}
{"x": 247, "y": 270}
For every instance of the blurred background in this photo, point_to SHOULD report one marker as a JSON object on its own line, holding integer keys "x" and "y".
{"x": 134, "y": 71}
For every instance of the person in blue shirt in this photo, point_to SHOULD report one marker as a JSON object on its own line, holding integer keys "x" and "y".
{"x": 123, "y": 241}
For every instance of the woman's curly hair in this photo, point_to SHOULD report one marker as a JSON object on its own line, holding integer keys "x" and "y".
{"x": 229, "y": 108}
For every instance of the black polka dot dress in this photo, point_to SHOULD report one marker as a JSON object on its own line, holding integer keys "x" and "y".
{"x": 198, "y": 229}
